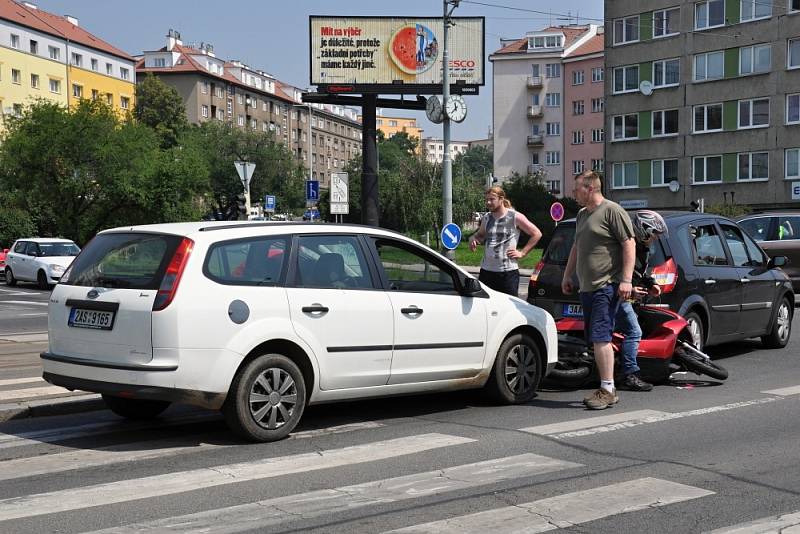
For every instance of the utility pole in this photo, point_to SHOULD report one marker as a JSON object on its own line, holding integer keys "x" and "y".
{"x": 447, "y": 164}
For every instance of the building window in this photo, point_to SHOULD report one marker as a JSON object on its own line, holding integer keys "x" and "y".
{"x": 755, "y": 9}
{"x": 553, "y": 128}
{"x": 626, "y": 79}
{"x": 77, "y": 59}
{"x": 240, "y": 120}
{"x": 755, "y": 59}
{"x": 598, "y": 135}
{"x": 16, "y": 76}
{"x": 794, "y": 5}
{"x": 552, "y": 157}
{"x": 794, "y": 53}
{"x": 626, "y": 127}
{"x": 597, "y": 74}
{"x": 535, "y": 158}
{"x": 34, "y": 46}
{"x": 665, "y": 122}
{"x": 598, "y": 105}
{"x": 792, "y": 163}
{"x": 754, "y": 113}
{"x": 125, "y": 74}
{"x": 35, "y": 81}
{"x": 708, "y": 118}
{"x": 220, "y": 92}
{"x": 577, "y": 137}
{"x": 578, "y": 166}
{"x": 666, "y": 73}
{"x": 577, "y": 107}
{"x": 77, "y": 90}
{"x": 204, "y": 111}
{"x": 55, "y": 86}
{"x": 552, "y": 70}
{"x": 598, "y": 165}
{"x": 109, "y": 99}
{"x": 707, "y": 169}
{"x": 204, "y": 88}
{"x": 109, "y": 69}
{"x": 709, "y": 14}
{"x": 95, "y": 94}
{"x": 626, "y": 30}
{"x": 14, "y": 41}
{"x": 552, "y": 100}
{"x": 577, "y": 77}
{"x": 393, "y": 124}
{"x": 664, "y": 171}
{"x": 124, "y": 102}
{"x": 793, "y": 108}
{"x": 753, "y": 166}
{"x": 535, "y": 99}
{"x": 666, "y": 22}
{"x": 626, "y": 175}
{"x": 55, "y": 52}
{"x": 221, "y": 114}
{"x": 709, "y": 66}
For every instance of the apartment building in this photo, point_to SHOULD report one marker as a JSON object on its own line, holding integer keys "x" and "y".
{"x": 394, "y": 125}
{"x": 703, "y": 101}
{"x": 433, "y": 148}
{"x": 230, "y": 91}
{"x": 48, "y": 56}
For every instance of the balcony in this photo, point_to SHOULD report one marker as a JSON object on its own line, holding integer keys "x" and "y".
{"x": 534, "y": 112}
{"x": 535, "y": 140}
{"x": 534, "y": 82}
{"x": 534, "y": 168}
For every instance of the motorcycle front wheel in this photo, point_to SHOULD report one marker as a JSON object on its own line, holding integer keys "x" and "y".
{"x": 697, "y": 364}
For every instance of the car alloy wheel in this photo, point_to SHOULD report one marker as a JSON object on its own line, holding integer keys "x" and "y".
{"x": 273, "y": 398}
{"x": 784, "y": 319}
{"x": 520, "y": 369}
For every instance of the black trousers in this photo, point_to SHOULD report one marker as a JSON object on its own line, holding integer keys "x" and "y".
{"x": 504, "y": 281}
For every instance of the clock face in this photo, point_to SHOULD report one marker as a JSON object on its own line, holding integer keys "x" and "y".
{"x": 456, "y": 108}
{"x": 433, "y": 109}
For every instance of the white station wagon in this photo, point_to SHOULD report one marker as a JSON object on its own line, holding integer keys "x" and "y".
{"x": 261, "y": 319}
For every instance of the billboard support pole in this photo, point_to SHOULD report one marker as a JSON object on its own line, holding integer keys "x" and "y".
{"x": 447, "y": 164}
{"x": 369, "y": 176}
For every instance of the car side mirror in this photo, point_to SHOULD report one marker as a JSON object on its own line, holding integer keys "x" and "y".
{"x": 470, "y": 286}
{"x": 778, "y": 261}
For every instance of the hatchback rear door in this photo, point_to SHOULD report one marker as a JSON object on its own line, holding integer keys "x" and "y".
{"x": 102, "y": 309}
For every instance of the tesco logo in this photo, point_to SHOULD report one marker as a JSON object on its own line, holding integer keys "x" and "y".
{"x": 462, "y": 63}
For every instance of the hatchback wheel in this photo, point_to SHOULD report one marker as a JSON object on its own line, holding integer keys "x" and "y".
{"x": 778, "y": 337}
{"x": 267, "y": 398}
{"x": 695, "y": 328}
{"x": 41, "y": 280}
{"x": 517, "y": 370}
{"x": 10, "y": 280}
{"x": 137, "y": 409}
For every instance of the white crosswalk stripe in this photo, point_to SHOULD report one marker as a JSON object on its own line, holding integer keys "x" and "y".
{"x": 27, "y": 393}
{"x": 566, "y": 510}
{"x": 263, "y": 514}
{"x": 214, "y": 476}
{"x": 26, "y": 380}
{"x": 784, "y": 392}
{"x": 781, "y": 524}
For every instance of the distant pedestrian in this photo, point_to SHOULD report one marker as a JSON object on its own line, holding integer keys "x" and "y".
{"x": 603, "y": 254}
{"x": 498, "y": 232}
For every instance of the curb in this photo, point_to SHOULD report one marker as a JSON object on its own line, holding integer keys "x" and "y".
{"x": 58, "y": 406}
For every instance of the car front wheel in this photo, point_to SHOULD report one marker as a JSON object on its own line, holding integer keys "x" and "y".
{"x": 517, "y": 370}
{"x": 41, "y": 280}
{"x": 778, "y": 337}
{"x": 266, "y": 399}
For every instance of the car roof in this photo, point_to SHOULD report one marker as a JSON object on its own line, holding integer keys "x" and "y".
{"x": 45, "y": 240}
{"x": 777, "y": 213}
{"x": 673, "y": 216}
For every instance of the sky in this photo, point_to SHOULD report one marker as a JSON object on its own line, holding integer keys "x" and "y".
{"x": 272, "y": 35}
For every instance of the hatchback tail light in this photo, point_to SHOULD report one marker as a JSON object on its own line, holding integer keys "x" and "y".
{"x": 172, "y": 277}
{"x": 535, "y": 274}
{"x": 666, "y": 275}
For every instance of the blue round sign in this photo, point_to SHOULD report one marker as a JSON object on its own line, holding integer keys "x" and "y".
{"x": 451, "y": 236}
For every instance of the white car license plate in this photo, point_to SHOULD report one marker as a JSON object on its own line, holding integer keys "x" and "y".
{"x": 101, "y": 320}
{"x": 573, "y": 310}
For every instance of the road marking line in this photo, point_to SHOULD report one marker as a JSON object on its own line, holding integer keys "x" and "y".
{"x": 271, "y": 512}
{"x": 766, "y": 525}
{"x": 214, "y": 476}
{"x": 784, "y": 392}
{"x": 27, "y": 380}
{"x": 589, "y": 422}
{"x": 588, "y": 430}
{"x": 568, "y": 510}
{"x": 32, "y": 392}
{"x": 25, "y": 302}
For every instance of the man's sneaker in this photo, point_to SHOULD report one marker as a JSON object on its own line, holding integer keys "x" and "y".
{"x": 601, "y": 399}
{"x": 632, "y": 382}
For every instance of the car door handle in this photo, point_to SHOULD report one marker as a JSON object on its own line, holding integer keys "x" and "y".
{"x": 413, "y": 310}
{"x": 745, "y": 280}
{"x": 315, "y": 308}
{"x": 710, "y": 282}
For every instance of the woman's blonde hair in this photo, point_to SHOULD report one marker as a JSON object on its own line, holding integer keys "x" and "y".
{"x": 497, "y": 190}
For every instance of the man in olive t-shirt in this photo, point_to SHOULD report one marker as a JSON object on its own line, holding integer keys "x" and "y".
{"x": 604, "y": 254}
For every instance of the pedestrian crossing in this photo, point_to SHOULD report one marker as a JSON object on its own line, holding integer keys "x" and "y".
{"x": 512, "y": 478}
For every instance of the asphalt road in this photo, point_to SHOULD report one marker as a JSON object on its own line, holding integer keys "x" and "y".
{"x": 23, "y": 309}
{"x": 693, "y": 456}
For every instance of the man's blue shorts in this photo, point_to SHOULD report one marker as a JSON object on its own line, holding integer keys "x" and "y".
{"x": 599, "y": 309}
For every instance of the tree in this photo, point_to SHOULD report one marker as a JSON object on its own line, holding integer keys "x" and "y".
{"x": 14, "y": 224}
{"x": 160, "y": 107}
{"x": 476, "y": 162}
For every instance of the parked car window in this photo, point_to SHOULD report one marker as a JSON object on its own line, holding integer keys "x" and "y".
{"x": 252, "y": 261}
{"x": 19, "y": 248}
{"x": 757, "y": 257}
{"x": 557, "y": 252}
{"x": 737, "y": 246}
{"x": 59, "y": 249}
{"x": 788, "y": 228}
{"x": 32, "y": 250}
{"x": 408, "y": 269}
{"x": 707, "y": 245}
{"x": 123, "y": 261}
{"x": 758, "y": 227}
{"x": 332, "y": 262}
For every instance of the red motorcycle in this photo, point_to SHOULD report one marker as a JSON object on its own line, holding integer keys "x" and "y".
{"x": 665, "y": 348}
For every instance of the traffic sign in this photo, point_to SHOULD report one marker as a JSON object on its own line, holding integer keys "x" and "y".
{"x": 339, "y": 185}
{"x": 245, "y": 170}
{"x": 451, "y": 236}
{"x": 269, "y": 203}
{"x": 312, "y": 190}
{"x": 556, "y": 211}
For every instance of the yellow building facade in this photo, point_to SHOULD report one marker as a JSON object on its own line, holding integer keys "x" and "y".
{"x": 85, "y": 84}
{"x": 25, "y": 77}
{"x": 394, "y": 125}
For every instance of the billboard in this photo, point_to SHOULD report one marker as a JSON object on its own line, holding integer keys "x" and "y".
{"x": 394, "y": 54}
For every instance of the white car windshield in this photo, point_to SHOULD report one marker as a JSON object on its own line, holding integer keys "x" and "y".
{"x": 59, "y": 249}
